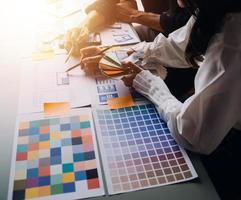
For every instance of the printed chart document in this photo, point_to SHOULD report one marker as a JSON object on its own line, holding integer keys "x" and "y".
{"x": 46, "y": 81}
{"x": 123, "y": 34}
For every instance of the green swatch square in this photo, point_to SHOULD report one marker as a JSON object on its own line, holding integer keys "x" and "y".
{"x": 56, "y": 179}
{"x": 57, "y": 189}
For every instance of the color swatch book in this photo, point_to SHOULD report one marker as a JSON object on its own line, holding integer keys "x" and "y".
{"x": 55, "y": 158}
{"x": 138, "y": 150}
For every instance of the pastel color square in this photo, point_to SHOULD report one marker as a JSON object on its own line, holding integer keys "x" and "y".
{"x": 78, "y": 148}
{"x": 85, "y": 124}
{"x": 23, "y": 125}
{"x": 76, "y": 133}
{"x": 33, "y": 139}
{"x": 44, "y": 153}
{"x": 86, "y": 131}
{"x": 44, "y": 162}
{"x": 82, "y": 185}
{"x": 88, "y": 147}
{"x": 80, "y": 175}
{"x": 56, "y": 189}
{"x": 56, "y": 179}
{"x": 55, "y": 136}
{"x": 44, "y": 137}
{"x": 75, "y": 126}
{"x": 65, "y": 127}
{"x": 33, "y": 155}
{"x": 55, "y": 143}
{"x": 64, "y": 120}
{"x": 22, "y": 156}
{"x": 74, "y": 119}
{"x": 44, "y": 145}
{"x": 23, "y": 140}
{"x": 44, "y": 130}
{"x": 90, "y": 164}
{"x": 67, "y": 154}
{"x": 55, "y": 160}
{"x": 68, "y": 167}
{"x": 33, "y": 147}
{"x": 44, "y": 122}
{"x": 32, "y": 164}
{"x": 93, "y": 183}
{"x": 32, "y": 173}
{"x": 68, "y": 177}
{"x": 44, "y": 171}
{"x": 33, "y": 131}
{"x": 68, "y": 187}
{"x": 35, "y": 123}
{"x": 54, "y": 128}
{"x": 22, "y": 148}
{"x": 66, "y": 134}
{"x": 55, "y": 169}
{"x": 87, "y": 139}
{"x": 31, "y": 193}
{"x": 21, "y": 165}
{"x": 20, "y": 174}
{"x": 54, "y": 121}
{"x": 66, "y": 142}
{"x": 44, "y": 180}
{"x": 84, "y": 118}
{"x": 44, "y": 191}
{"x": 79, "y": 166}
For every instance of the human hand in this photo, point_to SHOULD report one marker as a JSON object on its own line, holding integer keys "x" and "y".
{"x": 75, "y": 39}
{"x": 90, "y": 58}
{"x": 125, "y": 12}
{"x": 133, "y": 71}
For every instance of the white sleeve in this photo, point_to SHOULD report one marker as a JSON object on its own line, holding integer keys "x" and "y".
{"x": 169, "y": 52}
{"x": 203, "y": 120}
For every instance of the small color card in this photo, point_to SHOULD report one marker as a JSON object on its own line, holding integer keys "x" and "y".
{"x": 120, "y": 102}
{"x": 56, "y": 108}
{"x": 55, "y": 158}
{"x": 138, "y": 150}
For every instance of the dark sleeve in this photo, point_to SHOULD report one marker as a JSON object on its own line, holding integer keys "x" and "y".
{"x": 174, "y": 18}
{"x": 105, "y": 7}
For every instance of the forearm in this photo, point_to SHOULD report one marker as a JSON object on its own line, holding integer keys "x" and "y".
{"x": 94, "y": 21}
{"x": 151, "y": 20}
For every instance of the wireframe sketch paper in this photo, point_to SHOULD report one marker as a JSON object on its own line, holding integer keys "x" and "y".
{"x": 119, "y": 36}
{"x": 47, "y": 81}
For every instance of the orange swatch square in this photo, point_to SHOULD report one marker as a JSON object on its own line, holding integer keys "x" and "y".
{"x": 44, "y": 171}
{"x": 120, "y": 102}
{"x": 44, "y": 129}
{"x": 93, "y": 183}
{"x": 23, "y": 125}
{"x": 44, "y": 191}
{"x": 33, "y": 147}
{"x": 76, "y": 133}
{"x": 87, "y": 139}
{"x": 56, "y": 108}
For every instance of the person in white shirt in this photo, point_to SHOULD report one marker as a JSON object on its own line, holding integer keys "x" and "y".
{"x": 213, "y": 112}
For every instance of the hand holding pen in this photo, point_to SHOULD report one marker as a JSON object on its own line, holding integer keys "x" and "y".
{"x": 89, "y": 58}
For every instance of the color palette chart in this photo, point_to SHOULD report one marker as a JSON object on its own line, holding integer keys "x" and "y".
{"x": 55, "y": 158}
{"x": 138, "y": 150}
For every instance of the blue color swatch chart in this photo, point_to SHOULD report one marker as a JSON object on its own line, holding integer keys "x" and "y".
{"x": 138, "y": 150}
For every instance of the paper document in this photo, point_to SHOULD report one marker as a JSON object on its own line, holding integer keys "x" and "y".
{"x": 47, "y": 81}
{"x": 124, "y": 35}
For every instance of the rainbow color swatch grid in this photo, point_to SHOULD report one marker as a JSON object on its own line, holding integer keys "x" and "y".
{"x": 138, "y": 150}
{"x": 56, "y": 158}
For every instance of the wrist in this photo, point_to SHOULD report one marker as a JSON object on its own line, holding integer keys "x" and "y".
{"x": 137, "y": 17}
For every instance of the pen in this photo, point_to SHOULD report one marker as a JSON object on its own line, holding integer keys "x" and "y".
{"x": 70, "y": 52}
{"x": 78, "y": 64}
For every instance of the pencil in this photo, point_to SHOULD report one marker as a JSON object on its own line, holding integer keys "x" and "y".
{"x": 69, "y": 54}
{"x": 78, "y": 64}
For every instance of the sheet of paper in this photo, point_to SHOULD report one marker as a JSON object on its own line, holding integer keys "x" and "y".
{"x": 56, "y": 108}
{"x": 55, "y": 158}
{"x": 105, "y": 88}
{"x": 119, "y": 36}
{"x": 120, "y": 102}
{"x": 138, "y": 150}
{"x": 47, "y": 81}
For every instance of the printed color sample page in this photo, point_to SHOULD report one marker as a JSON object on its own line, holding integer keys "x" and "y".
{"x": 55, "y": 158}
{"x": 138, "y": 150}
